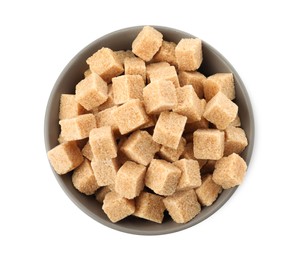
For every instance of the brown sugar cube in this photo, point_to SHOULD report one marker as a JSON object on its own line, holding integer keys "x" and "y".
{"x": 188, "y": 104}
{"x": 130, "y": 180}
{"x": 208, "y": 191}
{"x": 209, "y": 166}
{"x": 152, "y": 67}
{"x": 87, "y": 73}
{"x": 135, "y": 66}
{"x": 105, "y": 63}
{"x": 183, "y": 206}
{"x": 188, "y": 154}
{"x": 101, "y": 193}
{"x": 110, "y": 99}
{"x": 188, "y": 54}
{"x": 65, "y": 157}
{"x": 220, "y": 111}
{"x": 86, "y": 151}
{"x": 122, "y": 55}
{"x": 127, "y": 87}
{"x": 236, "y": 122}
{"x": 69, "y": 108}
{"x": 130, "y": 116}
{"x": 91, "y": 91}
{"x": 102, "y": 143}
{"x": 159, "y": 96}
{"x": 229, "y": 171}
{"x": 165, "y": 73}
{"x": 105, "y": 171}
{"x": 169, "y": 129}
{"x": 194, "y": 78}
{"x": 166, "y": 53}
{"x": 170, "y": 154}
{"x": 208, "y": 144}
{"x": 150, "y": 206}
{"x": 106, "y": 118}
{"x": 140, "y": 147}
{"x": 147, "y": 43}
{"x": 202, "y": 124}
{"x": 235, "y": 140}
{"x": 78, "y": 127}
{"x": 162, "y": 177}
{"x": 83, "y": 179}
{"x": 117, "y": 208}
{"x": 223, "y": 82}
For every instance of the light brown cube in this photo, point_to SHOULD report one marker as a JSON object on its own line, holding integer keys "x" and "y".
{"x": 236, "y": 122}
{"x": 159, "y": 96}
{"x": 208, "y": 191}
{"x": 188, "y": 154}
{"x": 223, "y": 82}
{"x": 65, "y": 157}
{"x": 169, "y": 129}
{"x": 165, "y": 73}
{"x": 153, "y": 67}
{"x": 150, "y": 206}
{"x": 106, "y": 118}
{"x": 166, "y": 53}
{"x": 202, "y": 124}
{"x": 78, "y": 127}
{"x": 86, "y": 151}
{"x": 117, "y": 208}
{"x": 172, "y": 155}
{"x": 147, "y": 43}
{"x": 105, "y": 63}
{"x": 69, "y": 108}
{"x": 162, "y": 177}
{"x": 208, "y": 144}
{"x": 194, "y": 78}
{"x": 188, "y": 54}
{"x": 235, "y": 140}
{"x": 183, "y": 206}
{"x": 130, "y": 116}
{"x": 101, "y": 193}
{"x": 188, "y": 104}
{"x": 83, "y": 179}
{"x": 140, "y": 147}
{"x": 220, "y": 111}
{"x": 127, "y": 87}
{"x": 130, "y": 180}
{"x": 122, "y": 55}
{"x": 135, "y": 66}
{"x": 110, "y": 99}
{"x": 91, "y": 91}
{"x": 105, "y": 171}
{"x": 229, "y": 171}
{"x": 102, "y": 143}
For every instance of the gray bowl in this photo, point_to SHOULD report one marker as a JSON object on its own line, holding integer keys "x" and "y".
{"x": 213, "y": 62}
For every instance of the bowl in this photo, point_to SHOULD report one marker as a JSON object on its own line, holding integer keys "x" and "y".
{"x": 213, "y": 62}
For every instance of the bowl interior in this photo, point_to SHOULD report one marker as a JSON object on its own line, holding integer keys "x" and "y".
{"x": 213, "y": 62}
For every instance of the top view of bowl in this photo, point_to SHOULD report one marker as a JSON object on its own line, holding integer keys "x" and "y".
{"x": 213, "y": 62}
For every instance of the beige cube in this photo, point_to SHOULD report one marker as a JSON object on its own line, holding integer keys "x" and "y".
{"x": 83, "y": 179}
{"x": 135, "y": 66}
{"x": 162, "y": 177}
{"x": 91, "y": 91}
{"x": 165, "y": 73}
{"x": 223, "y": 82}
{"x": 130, "y": 180}
{"x": 78, "y": 127}
{"x": 151, "y": 68}
{"x": 86, "y": 151}
{"x": 69, "y": 108}
{"x": 101, "y": 193}
{"x": 65, "y": 157}
{"x": 188, "y": 104}
{"x": 172, "y": 155}
{"x": 188, "y": 54}
{"x": 106, "y": 118}
{"x": 110, "y": 102}
{"x": 220, "y": 111}
{"x": 183, "y": 206}
{"x": 105, "y": 171}
{"x": 194, "y": 78}
{"x": 166, "y": 53}
{"x": 202, "y": 124}
{"x": 116, "y": 207}
{"x": 169, "y": 129}
{"x": 236, "y": 122}
{"x": 208, "y": 144}
{"x": 147, "y": 43}
{"x": 209, "y": 167}
{"x": 105, "y": 63}
{"x": 127, "y": 87}
{"x": 208, "y": 191}
{"x": 150, "y": 206}
{"x": 229, "y": 171}
{"x": 122, "y": 55}
{"x": 102, "y": 143}
{"x": 159, "y": 96}
{"x": 235, "y": 140}
{"x": 188, "y": 154}
{"x": 140, "y": 147}
{"x": 130, "y": 116}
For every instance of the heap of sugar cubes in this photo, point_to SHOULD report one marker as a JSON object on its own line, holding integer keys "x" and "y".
{"x": 146, "y": 132}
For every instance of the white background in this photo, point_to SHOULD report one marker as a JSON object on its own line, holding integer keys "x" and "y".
{"x": 264, "y": 41}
